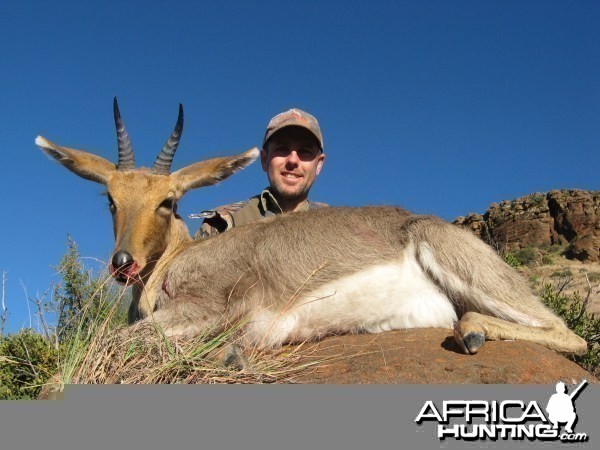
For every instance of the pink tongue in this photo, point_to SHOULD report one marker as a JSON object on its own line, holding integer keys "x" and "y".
{"x": 133, "y": 270}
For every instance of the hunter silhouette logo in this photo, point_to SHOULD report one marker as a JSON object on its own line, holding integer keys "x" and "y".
{"x": 508, "y": 419}
{"x": 560, "y": 406}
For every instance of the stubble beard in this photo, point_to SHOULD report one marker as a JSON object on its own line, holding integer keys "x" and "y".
{"x": 298, "y": 194}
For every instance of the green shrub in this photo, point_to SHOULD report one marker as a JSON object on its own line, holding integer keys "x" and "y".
{"x": 538, "y": 199}
{"x": 511, "y": 260}
{"x": 27, "y": 361}
{"x": 526, "y": 256}
{"x": 82, "y": 303}
{"x": 547, "y": 259}
{"x": 82, "y": 297}
{"x": 572, "y": 309}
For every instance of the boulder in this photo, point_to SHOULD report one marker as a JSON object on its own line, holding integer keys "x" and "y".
{"x": 431, "y": 356}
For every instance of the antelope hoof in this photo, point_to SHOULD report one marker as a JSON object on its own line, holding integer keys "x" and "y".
{"x": 470, "y": 342}
{"x": 473, "y": 342}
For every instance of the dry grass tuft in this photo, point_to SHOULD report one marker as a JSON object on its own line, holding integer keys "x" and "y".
{"x": 147, "y": 356}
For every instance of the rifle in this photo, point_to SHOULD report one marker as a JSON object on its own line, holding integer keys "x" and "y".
{"x": 578, "y": 389}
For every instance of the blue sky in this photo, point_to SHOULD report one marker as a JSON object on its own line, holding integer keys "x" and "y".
{"x": 441, "y": 107}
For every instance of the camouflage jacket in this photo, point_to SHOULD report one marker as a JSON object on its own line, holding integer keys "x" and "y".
{"x": 256, "y": 208}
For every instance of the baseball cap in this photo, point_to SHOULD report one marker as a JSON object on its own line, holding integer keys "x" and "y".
{"x": 294, "y": 117}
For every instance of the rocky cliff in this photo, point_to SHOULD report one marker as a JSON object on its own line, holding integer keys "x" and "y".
{"x": 563, "y": 217}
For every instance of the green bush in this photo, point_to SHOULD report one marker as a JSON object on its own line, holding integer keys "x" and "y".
{"x": 538, "y": 199}
{"x": 27, "y": 361}
{"x": 82, "y": 302}
{"x": 511, "y": 260}
{"x": 572, "y": 309}
{"x": 526, "y": 256}
{"x": 82, "y": 298}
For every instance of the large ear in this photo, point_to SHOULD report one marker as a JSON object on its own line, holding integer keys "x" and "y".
{"x": 211, "y": 171}
{"x": 84, "y": 164}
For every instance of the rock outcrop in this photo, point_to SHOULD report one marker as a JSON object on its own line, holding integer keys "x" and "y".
{"x": 570, "y": 217}
{"x": 432, "y": 356}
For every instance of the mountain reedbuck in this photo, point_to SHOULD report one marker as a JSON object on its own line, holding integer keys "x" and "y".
{"x": 304, "y": 275}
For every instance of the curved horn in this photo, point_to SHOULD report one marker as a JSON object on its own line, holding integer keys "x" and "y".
{"x": 126, "y": 161}
{"x": 162, "y": 165}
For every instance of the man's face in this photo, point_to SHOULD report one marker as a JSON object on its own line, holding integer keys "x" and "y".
{"x": 292, "y": 161}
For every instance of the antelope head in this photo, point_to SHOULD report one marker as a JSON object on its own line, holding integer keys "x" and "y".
{"x": 143, "y": 202}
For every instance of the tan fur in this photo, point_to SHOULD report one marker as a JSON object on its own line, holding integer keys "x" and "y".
{"x": 270, "y": 268}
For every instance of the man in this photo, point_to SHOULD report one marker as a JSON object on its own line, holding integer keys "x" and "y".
{"x": 292, "y": 155}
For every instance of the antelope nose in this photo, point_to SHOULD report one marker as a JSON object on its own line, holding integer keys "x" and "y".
{"x": 122, "y": 260}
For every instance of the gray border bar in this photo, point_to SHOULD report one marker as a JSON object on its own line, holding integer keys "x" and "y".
{"x": 262, "y": 417}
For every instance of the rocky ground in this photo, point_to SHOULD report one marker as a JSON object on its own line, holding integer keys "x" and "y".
{"x": 431, "y": 356}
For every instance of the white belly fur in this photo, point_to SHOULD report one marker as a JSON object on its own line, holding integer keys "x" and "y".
{"x": 381, "y": 298}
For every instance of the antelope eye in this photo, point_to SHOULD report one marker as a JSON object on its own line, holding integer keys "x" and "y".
{"x": 111, "y": 205}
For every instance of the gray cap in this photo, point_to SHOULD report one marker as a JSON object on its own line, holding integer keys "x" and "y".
{"x": 294, "y": 117}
